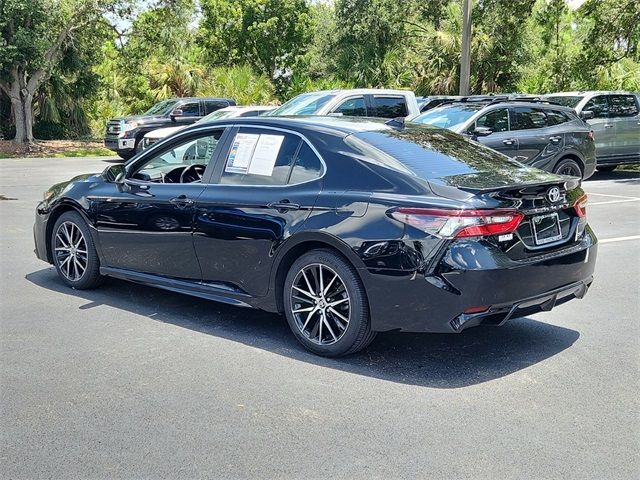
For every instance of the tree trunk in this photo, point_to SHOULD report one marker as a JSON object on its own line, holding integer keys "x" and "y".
{"x": 22, "y": 107}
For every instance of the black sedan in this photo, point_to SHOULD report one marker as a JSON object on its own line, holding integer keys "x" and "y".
{"x": 347, "y": 226}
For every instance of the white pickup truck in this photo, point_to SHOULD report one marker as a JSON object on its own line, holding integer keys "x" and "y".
{"x": 360, "y": 102}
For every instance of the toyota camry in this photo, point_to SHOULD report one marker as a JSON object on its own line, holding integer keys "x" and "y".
{"x": 347, "y": 226}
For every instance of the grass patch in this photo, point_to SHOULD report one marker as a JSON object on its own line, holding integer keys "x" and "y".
{"x": 86, "y": 152}
{"x": 629, "y": 168}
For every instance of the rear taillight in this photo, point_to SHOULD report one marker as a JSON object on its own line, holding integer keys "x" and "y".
{"x": 581, "y": 206}
{"x": 590, "y": 135}
{"x": 459, "y": 223}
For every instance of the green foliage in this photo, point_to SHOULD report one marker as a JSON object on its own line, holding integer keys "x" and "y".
{"x": 266, "y": 51}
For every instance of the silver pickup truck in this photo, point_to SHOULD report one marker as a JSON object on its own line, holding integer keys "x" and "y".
{"x": 615, "y": 120}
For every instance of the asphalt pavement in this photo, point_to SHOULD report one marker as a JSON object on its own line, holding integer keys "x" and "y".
{"x": 131, "y": 382}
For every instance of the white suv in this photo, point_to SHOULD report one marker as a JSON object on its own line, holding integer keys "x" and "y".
{"x": 361, "y": 102}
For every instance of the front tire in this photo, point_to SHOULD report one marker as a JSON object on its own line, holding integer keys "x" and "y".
{"x": 73, "y": 252}
{"x": 326, "y": 305}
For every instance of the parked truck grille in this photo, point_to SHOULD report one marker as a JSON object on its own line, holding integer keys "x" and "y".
{"x": 114, "y": 127}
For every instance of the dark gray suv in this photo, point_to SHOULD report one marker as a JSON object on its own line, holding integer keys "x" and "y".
{"x": 614, "y": 118}
{"x": 545, "y": 136}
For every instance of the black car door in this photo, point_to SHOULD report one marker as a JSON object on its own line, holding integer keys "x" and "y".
{"x": 500, "y": 139}
{"x": 538, "y": 143}
{"x": 265, "y": 184}
{"x": 146, "y": 224}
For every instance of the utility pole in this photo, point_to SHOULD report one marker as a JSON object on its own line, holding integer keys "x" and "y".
{"x": 465, "y": 58}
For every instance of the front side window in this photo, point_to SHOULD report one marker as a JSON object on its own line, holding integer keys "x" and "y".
{"x": 260, "y": 157}
{"x": 184, "y": 162}
{"x": 190, "y": 109}
{"x": 496, "y": 120}
{"x": 390, "y": 107}
{"x": 623, "y": 106}
{"x": 353, "y": 107}
{"x": 213, "y": 105}
{"x": 526, "y": 118}
{"x": 599, "y": 106}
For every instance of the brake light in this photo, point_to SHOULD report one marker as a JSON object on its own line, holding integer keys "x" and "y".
{"x": 445, "y": 223}
{"x": 590, "y": 135}
{"x": 580, "y": 206}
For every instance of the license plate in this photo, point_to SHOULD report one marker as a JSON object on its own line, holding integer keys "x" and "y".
{"x": 546, "y": 228}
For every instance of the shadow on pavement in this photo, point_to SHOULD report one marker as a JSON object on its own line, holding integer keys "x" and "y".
{"x": 432, "y": 360}
{"x": 630, "y": 178}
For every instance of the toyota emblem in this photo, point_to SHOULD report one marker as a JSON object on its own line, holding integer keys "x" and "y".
{"x": 553, "y": 194}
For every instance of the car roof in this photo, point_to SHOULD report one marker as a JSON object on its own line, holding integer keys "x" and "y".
{"x": 507, "y": 103}
{"x": 361, "y": 91}
{"x": 200, "y": 98}
{"x": 341, "y": 125}
{"x": 589, "y": 92}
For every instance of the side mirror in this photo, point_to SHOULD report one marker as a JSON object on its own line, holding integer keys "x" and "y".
{"x": 587, "y": 115}
{"x": 175, "y": 114}
{"x": 114, "y": 173}
{"x": 481, "y": 131}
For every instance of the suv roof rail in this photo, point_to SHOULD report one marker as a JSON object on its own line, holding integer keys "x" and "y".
{"x": 493, "y": 99}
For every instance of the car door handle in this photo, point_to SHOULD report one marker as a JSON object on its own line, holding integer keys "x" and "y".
{"x": 509, "y": 141}
{"x": 284, "y": 205}
{"x": 555, "y": 139}
{"x": 608, "y": 125}
{"x": 182, "y": 201}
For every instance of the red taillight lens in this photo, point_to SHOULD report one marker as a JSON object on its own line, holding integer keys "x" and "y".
{"x": 459, "y": 223}
{"x": 581, "y": 206}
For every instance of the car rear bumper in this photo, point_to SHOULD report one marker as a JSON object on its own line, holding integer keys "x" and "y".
{"x": 490, "y": 292}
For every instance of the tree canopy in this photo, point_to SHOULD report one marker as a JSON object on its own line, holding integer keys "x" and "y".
{"x": 69, "y": 65}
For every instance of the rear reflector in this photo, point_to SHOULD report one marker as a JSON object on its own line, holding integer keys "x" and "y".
{"x": 459, "y": 223}
{"x": 479, "y": 309}
{"x": 581, "y": 206}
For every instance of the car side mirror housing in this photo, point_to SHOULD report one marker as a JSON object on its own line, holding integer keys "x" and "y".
{"x": 176, "y": 114}
{"x": 587, "y": 115}
{"x": 481, "y": 131}
{"x": 114, "y": 173}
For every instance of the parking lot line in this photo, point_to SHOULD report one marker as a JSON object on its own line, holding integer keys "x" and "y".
{"x": 619, "y": 239}
{"x": 613, "y": 196}
{"x": 615, "y": 201}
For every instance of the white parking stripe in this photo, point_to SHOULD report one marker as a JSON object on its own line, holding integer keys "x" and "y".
{"x": 619, "y": 239}
{"x": 612, "y": 196}
{"x": 614, "y": 201}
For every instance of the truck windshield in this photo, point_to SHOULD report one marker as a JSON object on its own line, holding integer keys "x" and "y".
{"x": 449, "y": 116}
{"x": 305, "y": 104}
{"x": 568, "y": 101}
{"x": 161, "y": 108}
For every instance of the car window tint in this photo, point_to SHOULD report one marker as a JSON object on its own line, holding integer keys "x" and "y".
{"x": 213, "y": 105}
{"x": 191, "y": 151}
{"x": 496, "y": 120}
{"x": 260, "y": 157}
{"x": 390, "y": 107}
{"x": 623, "y": 106}
{"x": 555, "y": 117}
{"x": 353, "y": 107}
{"x": 599, "y": 106}
{"x": 191, "y": 109}
{"x": 526, "y": 118}
{"x": 307, "y": 166}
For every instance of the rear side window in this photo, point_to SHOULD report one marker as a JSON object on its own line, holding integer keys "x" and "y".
{"x": 556, "y": 117}
{"x": 497, "y": 120}
{"x": 213, "y": 105}
{"x": 526, "y": 118}
{"x": 190, "y": 109}
{"x": 390, "y": 107}
{"x": 622, "y": 106}
{"x": 354, "y": 107}
{"x": 599, "y": 106}
{"x": 307, "y": 166}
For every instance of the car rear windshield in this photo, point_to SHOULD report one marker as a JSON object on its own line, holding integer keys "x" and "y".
{"x": 161, "y": 108}
{"x": 431, "y": 153}
{"x": 449, "y": 116}
{"x": 305, "y": 104}
{"x": 565, "y": 101}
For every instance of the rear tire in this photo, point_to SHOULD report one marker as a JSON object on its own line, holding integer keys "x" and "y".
{"x": 73, "y": 252}
{"x": 326, "y": 305}
{"x": 568, "y": 167}
{"x": 606, "y": 168}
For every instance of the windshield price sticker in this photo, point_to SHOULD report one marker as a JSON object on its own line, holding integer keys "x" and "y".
{"x": 254, "y": 154}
